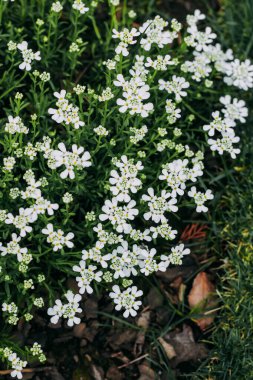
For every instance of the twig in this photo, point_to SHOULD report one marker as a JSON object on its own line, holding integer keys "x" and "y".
{"x": 133, "y": 361}
{"x": 27, "y": 370}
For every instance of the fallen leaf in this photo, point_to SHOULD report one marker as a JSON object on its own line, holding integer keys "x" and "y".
{"x": 168, "y": 348}
{"x": 202, "y": 300}
{"x": 143, "y": 322}
{"x": 114, "y": 373}
{"x": 91, "y": 307}
{"x": 144, "y": 319}
{"x": 154, "y": 298}
{"x": 185, "y": 347}
{"x": 78, "y": 330}
{"x": 146, "y": 373}
{"x": 121, "y": 339}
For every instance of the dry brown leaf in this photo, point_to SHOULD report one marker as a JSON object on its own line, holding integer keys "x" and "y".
{"x": 168, "y": 348}
{"x": 78, "y": 330}
{"x": 143, "y": 321}
{"x": 154, "y": 298}
{"x": 114, "y": 373}
{"x": 203, "y": 299}
{"x": 146, "y": 373}
{"x": 121, "y": 339}
{"x": 185, "y": 347}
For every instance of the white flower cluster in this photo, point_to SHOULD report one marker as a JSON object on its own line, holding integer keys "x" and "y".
{"x": 11, "y": 310}
{"x": 15, "y": 125}
{"x": 139, "y": 134}
{"x": 136, "y": 206}
{"x": 57, "y": 238}
{"x": 126, "y": 181}
{"x": 126, "y": 300}
{"x": 178, "y": 172}
{"x": 153, "y": 33}
{"x": 136, "y": 91}
{"x": 13, "y": 248}
{"x": 126, "y": 38}
{"x": 80, "y": 6}
{"x": 67, "y": 310}
{"x": 66, "y": 112}
{"x": 76, "y": 159}
{"x": 56, "y": 7}
{"x": 200, "y": 198}
{"x": 160, "y": 63}
{"x": 15, "y": 362}
{"x": 236, "y": 73}
{"x": 177, "y": 87}
{"x": 176, "y": 255}
{"x": 234, "y": 110}
{"x": 28, "y": 56}
{"x": 158, "y": 205}
{"x": 30, "y": 214}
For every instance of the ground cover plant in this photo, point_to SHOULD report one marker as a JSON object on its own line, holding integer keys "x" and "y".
{"x": 108, "y": 128}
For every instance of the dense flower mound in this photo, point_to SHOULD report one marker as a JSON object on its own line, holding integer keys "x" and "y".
{"x": 96, "y": 174}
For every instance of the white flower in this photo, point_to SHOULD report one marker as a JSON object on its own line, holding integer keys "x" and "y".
{"x": 239, "y": 74}
{"x": 126, "y": 36}
{"x": 147, "y": 262}
{"x": 123, "y": 260}
{"x": 126, "y": 300}
{"x": 119, "y": 215}
{"x": 176, "y": 86}
{"x": 219, "y": 124}
{"x": 67, "y": 311}
{"x": 21, "y": 221}
{"x": 56, "y": 7}
{"x": 163, "y": 230}
{"x": 17, "y": 365}
{"x": 173, "y": 112}
{"x": 126, "y": 181}
{"x": 57, "y": 238}
{"x": 135, "y": 92}
{"x": 56, "y": 311}
{"x": 15, "y": 125}
{"x": 160, "y": 63}
{"x": 234, "y": 109}
{"x": 153, "y": 33}
{"x": 87, "y": 275}
{"x": 101, "y": 131}
{"x": 199, "y": 67}
{"x": 28, "y": 56}
{"x": 13, "y": 248}
{"x": 176, "y": 255}
{"x": 115, "y": 3}
{"x": 9, "y": 163}
{"x": 200, "y": 198}
{"x": 158, "y": 205}
{"x": 80, "y": 6}
{"x": 195, "y": 18}
{"x": 225, "y": 144}
{"x": 176, "y": 176}
{"x": 66, "y": 111}
{"x": 76, "y": 159}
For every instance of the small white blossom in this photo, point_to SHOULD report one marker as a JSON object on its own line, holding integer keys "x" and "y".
{"x": 126, "y": 300}
{"x": 200, "y": 198}
{"x": 28, "y": 56}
